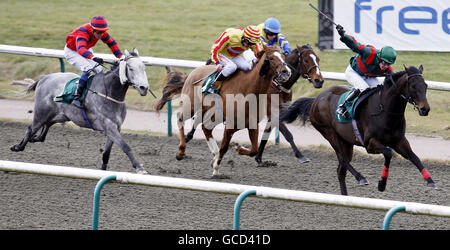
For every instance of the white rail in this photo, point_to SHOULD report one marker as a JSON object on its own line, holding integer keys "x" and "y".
{"x": 226, "y": 188}
{"x": 155, "y": 61}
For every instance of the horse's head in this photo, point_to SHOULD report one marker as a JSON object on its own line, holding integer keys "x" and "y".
{"x": 413, "y": 89}
{"x": 132, "y": 71}
{"x": 274, "y": 63}
{"x": 306, "y": 63}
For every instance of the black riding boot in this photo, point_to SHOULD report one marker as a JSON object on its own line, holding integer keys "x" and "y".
{"x": 220, "y": 77}
{"x": 342, "y": 111}
{"x": 78, "y": 93}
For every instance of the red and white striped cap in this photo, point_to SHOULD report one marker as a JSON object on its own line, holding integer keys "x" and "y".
{"x": 99, "y": 23}
{"x": 252, "y": 34}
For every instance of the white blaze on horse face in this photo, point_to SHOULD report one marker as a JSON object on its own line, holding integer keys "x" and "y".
{"x": 278, "y": 54}
{"x": 315, "y": 62}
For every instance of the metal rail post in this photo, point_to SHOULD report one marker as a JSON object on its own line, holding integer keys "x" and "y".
{"x": 96, "y": 204}
{"x": 237, "y": 207}
{"x": 389, "y": 214}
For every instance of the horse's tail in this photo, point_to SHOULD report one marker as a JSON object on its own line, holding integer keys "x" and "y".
{"x": 298, "y": 109}
{"x": 174, "y": 85}
{"x": 33, "y": 86}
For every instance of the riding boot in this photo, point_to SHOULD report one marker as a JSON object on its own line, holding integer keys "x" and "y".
{"x": 78, "y": 93}
{"x": 221, "y": 77}
{"x": 342, "y": 110}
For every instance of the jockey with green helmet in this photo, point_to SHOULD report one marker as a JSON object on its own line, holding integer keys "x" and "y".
{"x": 365, "y": 67}
{"x": 78, "y": 50}
{"x": 227, "y": 51}
{"x": 271, "y": 34}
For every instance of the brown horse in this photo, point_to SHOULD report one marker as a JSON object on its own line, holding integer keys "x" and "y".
{"x": 380, "y": 119}
{"x": 248, "y": 85}
{"x": 305, "y": 63}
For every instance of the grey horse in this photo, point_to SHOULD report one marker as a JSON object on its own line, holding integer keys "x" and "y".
{"x": 104, "y": 105}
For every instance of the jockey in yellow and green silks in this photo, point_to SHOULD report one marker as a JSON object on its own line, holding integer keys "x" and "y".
{"x": 271, "y": 34}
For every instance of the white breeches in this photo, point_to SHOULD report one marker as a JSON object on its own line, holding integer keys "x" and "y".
{"x": 79, "y": 61}
{"x": 358, "y": 81}
{"x": 238, "y": 62}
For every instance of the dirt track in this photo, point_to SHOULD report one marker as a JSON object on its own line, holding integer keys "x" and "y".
{"x": 41, "y": 202}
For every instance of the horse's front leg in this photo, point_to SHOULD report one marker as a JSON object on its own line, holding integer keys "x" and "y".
{"x": 106, "y": 153}
{"x": 227, "y": 135}
{"x": 262, "y": 144}
{"x": 404, "y": 149}
{"x": 113, "y": 134}
{"x": 375, "y": 147}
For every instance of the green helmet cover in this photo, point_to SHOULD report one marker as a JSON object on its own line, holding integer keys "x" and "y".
{"x": 388, "y": 54}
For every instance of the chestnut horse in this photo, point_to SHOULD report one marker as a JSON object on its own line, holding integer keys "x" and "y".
{"x": 249, "y": 85}
{"x": 303, "y": 63}
{"x": 380, "y": 119}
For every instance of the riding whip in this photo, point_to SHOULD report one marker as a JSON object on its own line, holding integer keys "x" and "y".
{"x": 320, "y": 12}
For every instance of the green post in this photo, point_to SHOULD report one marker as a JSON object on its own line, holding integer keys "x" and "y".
{"x": 63, "y": 67}
{"x": 389, "y": 214}
{"x": 169, "y": 118}
{"x": 237, "y": 207}
{"x": 277, "y": 136}
{"x": 96, "y": 204}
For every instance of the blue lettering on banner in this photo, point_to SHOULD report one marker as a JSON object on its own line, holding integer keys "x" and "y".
{"x": 402, "y": 19}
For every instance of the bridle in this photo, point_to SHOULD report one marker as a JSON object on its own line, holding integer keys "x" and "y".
{"x": 298, "y": 68}
{"x": 407, "y": 98}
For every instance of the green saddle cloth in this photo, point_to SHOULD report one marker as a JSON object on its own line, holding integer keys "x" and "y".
{"x": 207, "y": 86}
{"x": 349, "y": 106}
{"x": 70, "y": 89}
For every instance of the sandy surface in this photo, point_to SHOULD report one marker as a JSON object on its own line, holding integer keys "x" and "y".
{"x": 41, "y": 202}
{"x": 304, "y": 136}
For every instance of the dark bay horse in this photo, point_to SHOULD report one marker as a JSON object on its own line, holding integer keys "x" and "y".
{"x": 380, "y": 119}
{"x": 305, "y": 63}
{"x": 105, "y": 108}
{"x": 249, "y": 84}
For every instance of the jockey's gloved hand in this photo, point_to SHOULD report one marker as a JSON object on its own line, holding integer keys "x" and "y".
{"x": 286, "y": 53}
{"x": 98, "y": 60}
{"x": 340, "y": 30}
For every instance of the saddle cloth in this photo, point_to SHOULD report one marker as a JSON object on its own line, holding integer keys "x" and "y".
{"x": 353, "y": 105}
{"x": 69, "y": 91}
{"x": 207, "y": 86}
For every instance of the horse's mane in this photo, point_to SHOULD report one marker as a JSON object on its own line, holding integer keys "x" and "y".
{"x": 395, "y": 76}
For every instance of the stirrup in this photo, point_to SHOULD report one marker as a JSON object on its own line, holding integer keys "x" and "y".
{"x": 77, "y": 103}
{"x": 342, "y": 111}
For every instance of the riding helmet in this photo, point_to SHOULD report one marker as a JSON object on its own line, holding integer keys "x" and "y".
{"x": 388, "y": 54}
{"x": 252, "y": 34}
{"x": 273, "y": 25}
{"x": 99, "y": 23}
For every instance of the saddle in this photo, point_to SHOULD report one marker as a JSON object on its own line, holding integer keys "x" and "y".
{"x": 353, "y": 105}
{"x": 69, "y": 91}
{"x": 351, "y": 109}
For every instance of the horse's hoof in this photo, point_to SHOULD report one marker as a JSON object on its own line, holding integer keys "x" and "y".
{"x": 258, "y": 160}
{"x": 381, "y": 186}
{"x": 363, "y": 181}
{"x": 179, "y": 157}
{"x": 16, "y": 148}
{"x": 304, "y": 160}
{"x": 220, "y": 176}
{"x": 432, "y": 185}
{"x": 104, "y": 166}
{"x": 140, "y": 169}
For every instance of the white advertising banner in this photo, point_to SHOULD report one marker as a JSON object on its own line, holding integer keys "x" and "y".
{"x": 416, "y": 25}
